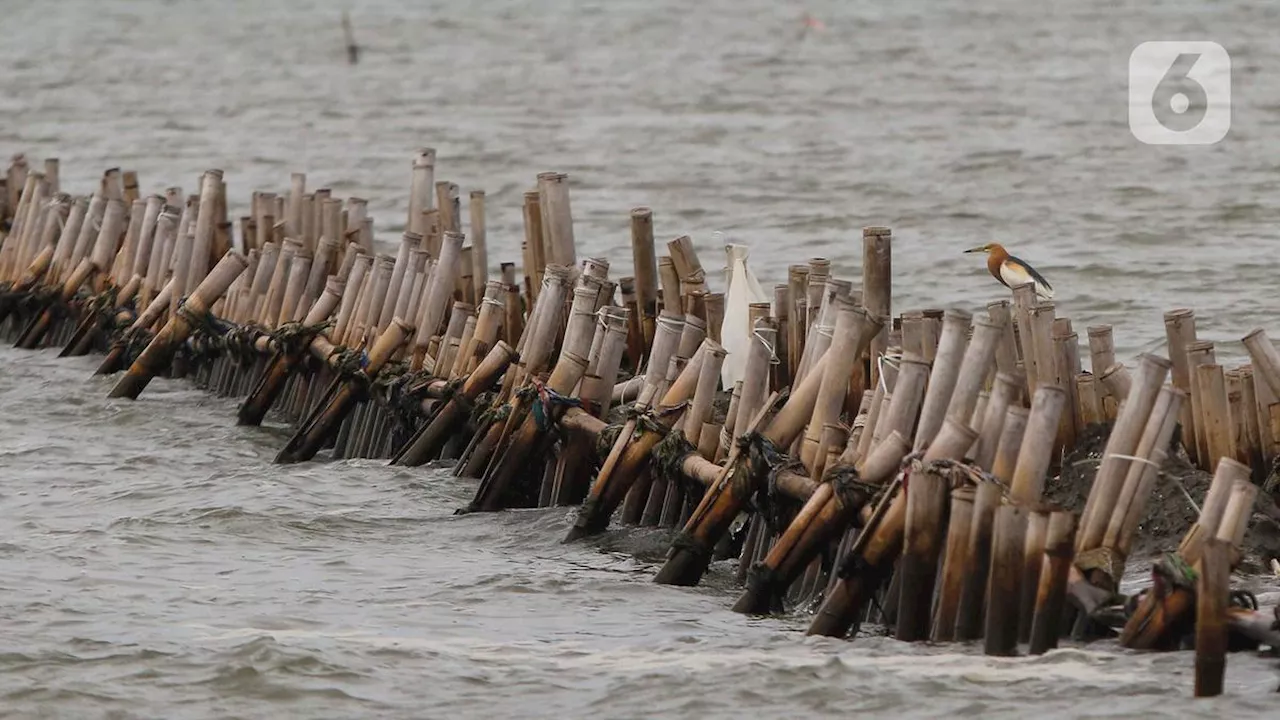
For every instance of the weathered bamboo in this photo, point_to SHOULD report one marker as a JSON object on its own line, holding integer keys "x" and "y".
{"x": 756, "y": 371}
{"x": 691, "y": 552}
{"x": 557, "y": 220}
{"x": 942, "y": 378}
{"x": 1180, "y": 331}
{"x": 1051, "y": 593}
{"x": 1032, "y": 563}
{"x": 1213, "y": 587}
{"x": 436, "y": 299}
{"x": 299, "y": 271}
{"x": 1132, "y": 500}
{"x": 852, "y": 324}
{"x": 922, "y": 545}
{"x": 876, "y": 287}
{"x": 1134, "y": 412}
{"x": 160, "y": 351}
{"x": 1004, "y": 580}
{"x": 1024, "y": 298}
{"x": 970, "y": 610}
{"x": 904, "y": 405}
{"x": 630, "y": 457}
{"x": 1005, "y": 391}
{"x": 320, "y": 427}
{"x": 1199, "y": 353}
{"x": 1214, "y": 413}
{"x": 444, "y": 421}
{"x": 955, "y": 562}
{"x": 1036, "y": 452}
{"x": 823, "y": 517}
{"x": 646, "y": 270}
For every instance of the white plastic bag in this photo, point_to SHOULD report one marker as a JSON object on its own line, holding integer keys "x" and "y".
{"x": 735, "y": 331}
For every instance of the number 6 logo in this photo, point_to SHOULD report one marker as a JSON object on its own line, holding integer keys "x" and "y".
{"x": 1179, "y": 93}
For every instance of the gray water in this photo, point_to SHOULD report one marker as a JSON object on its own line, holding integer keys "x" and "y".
{"x": 153, "y": 563}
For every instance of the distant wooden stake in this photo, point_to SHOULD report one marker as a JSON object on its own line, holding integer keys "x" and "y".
{"x": 353, "y": 50}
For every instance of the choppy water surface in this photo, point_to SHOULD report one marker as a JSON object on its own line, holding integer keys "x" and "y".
{"x": 153, "y": 563}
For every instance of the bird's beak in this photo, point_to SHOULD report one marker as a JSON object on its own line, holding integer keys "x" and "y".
{"x": 976, "y": 249}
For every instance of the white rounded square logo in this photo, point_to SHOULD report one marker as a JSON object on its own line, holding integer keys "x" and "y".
{"x": 1179, "y": 92}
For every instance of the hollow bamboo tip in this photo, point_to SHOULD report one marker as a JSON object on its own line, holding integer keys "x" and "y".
{"x": 641, "y": 213}
{"x": 1178, "y": 314}
{"x": 1157, "y": 360}
{"x": 1257, "y": 332}
{"x": 876, "y": 231}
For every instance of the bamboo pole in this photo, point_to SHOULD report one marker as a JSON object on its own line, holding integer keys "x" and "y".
{"x": 922, "y": 546}
{"x": 1036, "y": 452}
{"x": 851, "y": 324}
{"x": 876, "y": 287}
{"x": 1051, "y": 592}
{"x": 1213, "y": 586}
{"x": 160, "y": 351}
{"x": 557, "y": 220}
{"x": 1214, "y": 413}
{"x": 1123, "y": 441}
{"x": 942, "y": 379}
{"x": 646, "y": 270}
{"x": 1199, "y": 353}
{"x": 1004, "y": 581}
{"x": 421, "y": 189}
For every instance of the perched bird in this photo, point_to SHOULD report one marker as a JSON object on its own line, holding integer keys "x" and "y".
{"x": 1013, "y": 271}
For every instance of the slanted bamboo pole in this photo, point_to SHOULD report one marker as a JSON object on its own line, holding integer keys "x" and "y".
{"x": 1215, "y": 413}
{"x": 160, "y": 351}
{"x": 942, "y": 378}
{"x": 1124, "y": 438}
{"x": 1036, "y": 452}
{"x": 922, "y": 545}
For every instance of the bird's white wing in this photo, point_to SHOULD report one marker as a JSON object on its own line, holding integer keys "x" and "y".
{"x": 1014, "y": 275}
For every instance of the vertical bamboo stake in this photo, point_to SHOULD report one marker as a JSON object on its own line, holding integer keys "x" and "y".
{"x": 977, "y": 560}
{"x": 646, "y": 269}
{"x": 1199, "y": 353}
{"x": 1032, "y": 562}
{"x": 876, "y": 287}
{"x": 926, "y": 518}
{"x": 1024, "y": 298}
{"x": 1215, "y": 413}
{"x": 1004, "y": 583}
{"x": 1180, "y": 331}
{"x": 479, "y": 244}
{"x": 557, "y": 220}
{"x": 534, "y": 242}
{"x": 421, "y": 189}
{"x": 1213, "y": 587}
{"x": 1051, "y": 593}
{"x": 1007, "y": 348}
{"x": 955, "y": 563}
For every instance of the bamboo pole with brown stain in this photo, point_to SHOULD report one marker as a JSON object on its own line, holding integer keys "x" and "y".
{"x": 1050, "y": 598}
{"x": 1213, "y": 585}
{"x": 1000, "y": 635}
{"x": 159, "y": 352}
{"x": 922, "y": 547}
{"x": 1024, "y": 298}
{"x": 1180, "y": 332}
{"x": 954, "y": 564}
{"x": 1005, "y": 393}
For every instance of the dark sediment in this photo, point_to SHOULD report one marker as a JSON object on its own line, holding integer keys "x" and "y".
{"x": 1169, "y": 511}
